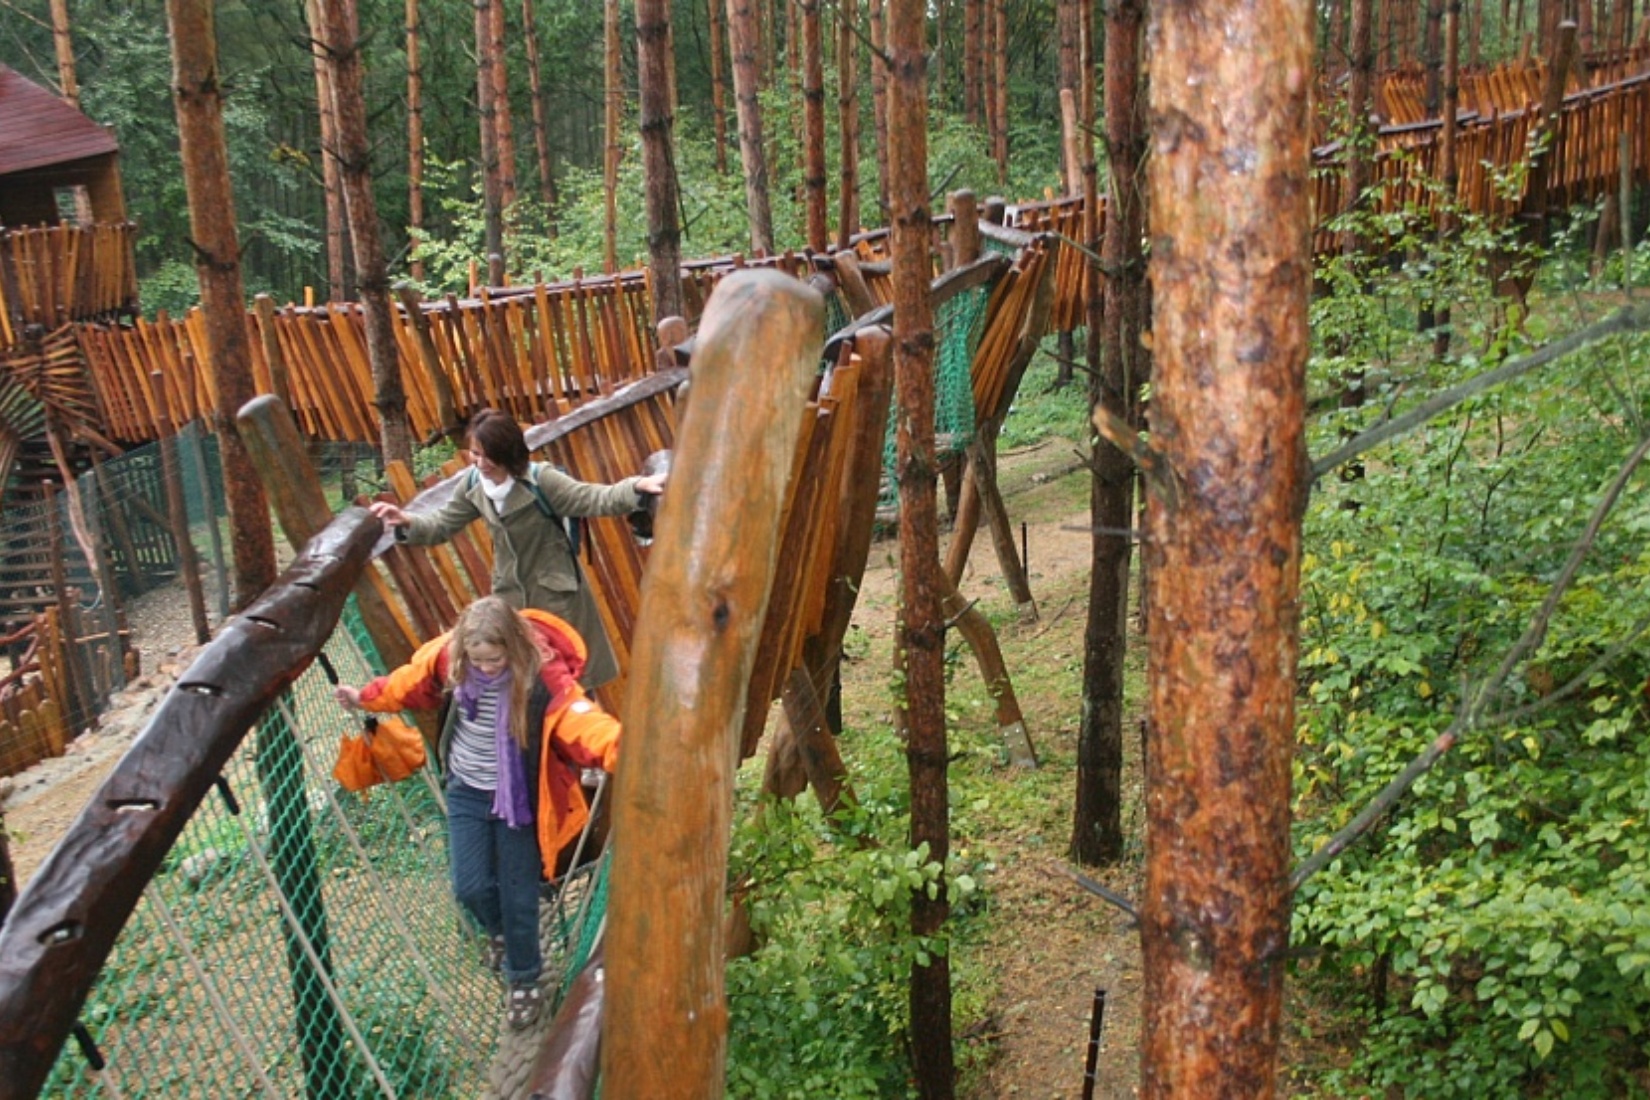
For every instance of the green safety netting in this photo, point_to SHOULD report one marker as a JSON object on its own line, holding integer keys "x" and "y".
{"x": 958, "y": 323}
{"x": 300, "y": 940}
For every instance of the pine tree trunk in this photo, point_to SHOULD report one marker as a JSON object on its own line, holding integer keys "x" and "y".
{"x": 415, "y": 140}
{"x": 1231, "y": 275}
{"x": 1071, "y": 79}
{"x": 879, "y": 104}
{"x": 813, "y": 112}
{"x": 664, "y": 235}
{"x": 921, "y": 625}
{"x": 743, "y": 39}
{"x": 541, "y": 123}
{"x": 848, "y": 120}
{"x": 999, "y": 140}
{"x": 614, "y": 116}
{"x": 492, "y": 181}
{"x": 973, "y": 34}
{"x": 1115, "y": 351}
{"x": 63, "y": 43}
{"x": 1358, "y": 138}
{"x": 504, "y": 131}
{"x": 197, "y": 94}
{"x": 332, "y": 187}
{"x": 354, "y": 162}
{"x": 1448, "y": 170}
{"x": 718, "y": 90}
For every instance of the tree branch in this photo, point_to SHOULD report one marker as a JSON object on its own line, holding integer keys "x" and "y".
{"x": 1159, "y": 478}
{"x": 1622, "y": 321}
{"x": 1468, "y": 718}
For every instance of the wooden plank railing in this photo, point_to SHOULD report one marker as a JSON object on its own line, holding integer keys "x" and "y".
{"x": 58, "y": 273}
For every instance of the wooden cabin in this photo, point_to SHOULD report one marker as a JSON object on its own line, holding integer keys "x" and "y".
{"x": 65, "y": 242}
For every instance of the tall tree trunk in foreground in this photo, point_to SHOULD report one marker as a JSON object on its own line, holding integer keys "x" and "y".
{"x": 921, "y": 625}
{"x": 1097, "y": 830}
{"x": 354, "y": 161}
{"x": 743, "y": 39}
{"x": 1232, "y": 271}
{"x": 415, "y": 140}
{"x": 541, "y": 123}
{"x": 197, "y": 94}
{"x": 664, "y": 234}
{"x": 613, "y": 115}
{"x": 332, "y": 186}
{"x": 813, "y": 120}
{"x": 847, "y": 99}
{"x": 492, "y": 179}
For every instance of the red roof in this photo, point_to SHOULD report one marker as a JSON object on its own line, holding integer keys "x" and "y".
{"x": 38, "y": 129}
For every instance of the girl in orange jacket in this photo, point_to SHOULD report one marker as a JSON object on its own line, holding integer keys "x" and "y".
{"x": 517, "y": 734}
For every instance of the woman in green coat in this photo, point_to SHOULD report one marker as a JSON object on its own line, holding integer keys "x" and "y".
{"x": 524, "y": 504}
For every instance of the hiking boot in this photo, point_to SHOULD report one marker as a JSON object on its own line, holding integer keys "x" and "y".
{"x": 492, "y": 954}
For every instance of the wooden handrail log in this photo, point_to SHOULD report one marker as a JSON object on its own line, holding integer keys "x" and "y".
{"x": 946, "y": 287}
{"x": 704, "y": 600}
{"x": 64, "y": 924}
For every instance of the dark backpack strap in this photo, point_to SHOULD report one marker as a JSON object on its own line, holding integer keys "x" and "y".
{"x": 573, "y": 529}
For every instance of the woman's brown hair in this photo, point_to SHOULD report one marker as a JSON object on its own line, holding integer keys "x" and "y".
{"x": 500, "y": 438}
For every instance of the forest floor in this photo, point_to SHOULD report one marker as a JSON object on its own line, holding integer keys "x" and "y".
{"x": 1048, "y": 946}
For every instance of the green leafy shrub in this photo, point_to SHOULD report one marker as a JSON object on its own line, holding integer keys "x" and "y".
{"x": 1491, "y": 936}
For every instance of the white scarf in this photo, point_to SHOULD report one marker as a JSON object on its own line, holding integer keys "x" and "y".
{"x": 497, "y": 491}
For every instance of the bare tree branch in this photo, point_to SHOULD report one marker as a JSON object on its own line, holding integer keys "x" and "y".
{"x": 1623, "y": 320}
{"x": 1469, "y": 717}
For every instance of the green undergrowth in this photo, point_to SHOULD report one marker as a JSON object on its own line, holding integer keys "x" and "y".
{"x": 821, "y": 1008}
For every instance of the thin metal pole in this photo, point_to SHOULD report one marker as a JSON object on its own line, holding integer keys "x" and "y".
{"x": 1091, "y": 1066}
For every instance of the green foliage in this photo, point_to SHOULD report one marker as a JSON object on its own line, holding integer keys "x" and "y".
{"x": 1491, "y": 936}
{"x": 1041, "y": 410}
{"x": 820, "y": 1007}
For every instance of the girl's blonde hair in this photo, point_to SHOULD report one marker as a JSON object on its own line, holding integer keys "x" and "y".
{"x": 491, "y": 621}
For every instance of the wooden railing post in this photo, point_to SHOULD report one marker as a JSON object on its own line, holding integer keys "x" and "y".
{"x": 703, "y": 603}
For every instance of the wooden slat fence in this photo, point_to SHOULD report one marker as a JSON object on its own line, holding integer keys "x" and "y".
{"x": 58, "y": 273}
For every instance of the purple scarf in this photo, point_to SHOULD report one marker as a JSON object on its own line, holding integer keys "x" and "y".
{"x": 512, "y": 801}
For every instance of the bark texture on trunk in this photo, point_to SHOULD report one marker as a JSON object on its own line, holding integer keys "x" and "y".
{"x": 68, "y": 86}
{"x": 332, "y": 185}
{"x": 664, "y": 233}
{"x": 922, "y": 625}
{"x": 743, "y": 41}
{"x": 197, "y": 95}
{"x": 355, "y": 166}
{"x": 718, "y": 84}
{"x": 1231, "y": 272}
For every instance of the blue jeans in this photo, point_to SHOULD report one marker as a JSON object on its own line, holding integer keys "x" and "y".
{"x": 496, "y": 877}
